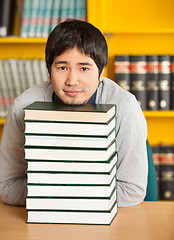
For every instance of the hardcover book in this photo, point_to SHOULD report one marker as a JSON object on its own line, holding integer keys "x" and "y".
{"x": 164, "y": 82}
{"x": 152, "y": 82}
{"x": 122, "y": 71}
{"x": 138, "y": 79}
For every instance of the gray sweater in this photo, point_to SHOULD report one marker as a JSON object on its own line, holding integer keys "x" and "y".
{"x": 131, "y": 134}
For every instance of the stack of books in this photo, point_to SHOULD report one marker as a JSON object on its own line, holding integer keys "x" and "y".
{"x": 71, "y": 155}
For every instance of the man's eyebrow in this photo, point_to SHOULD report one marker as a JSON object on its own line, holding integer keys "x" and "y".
{"x": 85, "y": 63}
{"x": 80, "y": 63}
{"x": 61, "y": 62}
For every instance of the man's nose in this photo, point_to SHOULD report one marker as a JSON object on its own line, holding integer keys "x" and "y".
{"x": 72, "y": 78}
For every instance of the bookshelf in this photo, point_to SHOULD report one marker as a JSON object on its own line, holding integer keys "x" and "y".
{"x": 130, "y": 28}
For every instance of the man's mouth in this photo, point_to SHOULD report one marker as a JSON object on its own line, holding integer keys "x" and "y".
{"x": 72, "y": 93}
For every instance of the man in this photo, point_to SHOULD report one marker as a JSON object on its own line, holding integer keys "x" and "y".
{"x": 76, "y": 55}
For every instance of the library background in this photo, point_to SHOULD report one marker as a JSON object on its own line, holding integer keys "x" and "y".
{"x": 140, "y": 39}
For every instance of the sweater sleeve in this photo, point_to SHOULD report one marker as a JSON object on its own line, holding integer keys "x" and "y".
{"x": 132, "y": 167}
{"x": 12, "y": 164}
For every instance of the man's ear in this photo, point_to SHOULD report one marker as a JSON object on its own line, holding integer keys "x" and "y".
{"x": 101, "y": 75}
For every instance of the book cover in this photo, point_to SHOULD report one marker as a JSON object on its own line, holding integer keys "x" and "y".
{"x": 138, "y": 79}
{"x": 122, "y": 71}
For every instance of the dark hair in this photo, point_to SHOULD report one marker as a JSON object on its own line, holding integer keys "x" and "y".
{"x": 75, "y": 33}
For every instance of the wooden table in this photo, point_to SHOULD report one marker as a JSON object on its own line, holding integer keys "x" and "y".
{"x": 148, "y": 220}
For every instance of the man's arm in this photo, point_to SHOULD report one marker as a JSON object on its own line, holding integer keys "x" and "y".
{"x": 12, "y": 164}
{"x": 132, "y": 154}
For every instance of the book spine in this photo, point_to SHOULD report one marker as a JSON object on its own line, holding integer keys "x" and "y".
{"x": 47, "y": 18}
{"x": 71, "y": 9}
{"x": 4, "y": 104}
{"x": 29, "y": 73}
{"x": 43, "y": 70}
{"x": 166, "y": 190}
{"x": 26, "y": 18}
{"x": 7, "y": 9}
{"x": 156, "y": 161}
{"x": 164, "y": 82}
{"x": 22, "y": 74}
{"x": 138, "y": 79}
{"x": 80, "y": 10}
{"x": 33, "y": 18}
{"x": 152, "y": 82}
{"x": 40, "y": 18}
{"x": 172, "y": 83}
{"x": 64, "y": 10}
{"x": 9, "y": 81}
{"x": 55, "y": 14}
{"x": 122, "y": 71}
{"x": 15, "y": 76}
{"x": 36, "y": 71}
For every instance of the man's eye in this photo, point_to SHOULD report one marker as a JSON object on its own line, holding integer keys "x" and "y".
{"x": 62, "y": 68}
{"x": 84, "y": 69}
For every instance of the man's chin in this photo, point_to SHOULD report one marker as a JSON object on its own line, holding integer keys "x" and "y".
{"x": 74, "y": 102}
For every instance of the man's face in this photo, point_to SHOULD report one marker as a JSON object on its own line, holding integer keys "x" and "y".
{"x": 74, "y": 77}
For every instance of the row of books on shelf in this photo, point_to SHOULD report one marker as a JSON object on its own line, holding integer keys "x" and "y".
{"x": 16, "y": 75}
{"x": 149, "y": 77}
{"x": 71, "y": 157}
{"x": 38, "y": 17}
{"x": 163, "y": 157}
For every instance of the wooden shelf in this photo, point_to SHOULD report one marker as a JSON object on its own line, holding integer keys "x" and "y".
{"x": 13, "y": 40}
{"x": 2, "y": 121}
{"x": 158, "y": 113}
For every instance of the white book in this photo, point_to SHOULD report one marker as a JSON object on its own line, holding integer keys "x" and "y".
{"x": 33, "y": 18}
{"x": 71, "y": 178}
{"x": 47, "y": 18}
{"x": 72, "y": 217}
{"x": 48, "y": 111}
{"x": 22, "y": 74}
{"x": 15, "y": 76}
{"x": 81, "y": 204}
{"x": 4, "y": 105}
{"x": 69, "y": 129}
{"x": 70, "y": 190}
{"x": 29, "y": 72}
{"x": 9, "y": 81}
{"x": 43, "y": 70}
{"x": 74, "y": 166}
{"x": 70, "y": 154}
{"x": 73, "y": 141}
{"x": 36, "y": 71}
